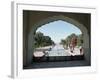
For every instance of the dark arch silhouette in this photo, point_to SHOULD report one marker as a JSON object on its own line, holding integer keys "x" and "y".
{"x": 55, "y": 18}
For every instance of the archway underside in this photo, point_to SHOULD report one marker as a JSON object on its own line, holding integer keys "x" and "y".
{"x": 55, "y": 18}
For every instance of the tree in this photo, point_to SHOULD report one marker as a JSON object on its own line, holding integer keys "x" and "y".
{"x": 63, "y": 42}
{"x": 38, "y": 39}
{"x": 66, "y": 42}
{"x": 80, "y": 40}
{"x": 41, "y": 40}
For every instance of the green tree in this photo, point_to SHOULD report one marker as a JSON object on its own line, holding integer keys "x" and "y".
{"x": 65, "y": 42}
{"x": 41, "y": 40}
{"x": 80, "y": 40}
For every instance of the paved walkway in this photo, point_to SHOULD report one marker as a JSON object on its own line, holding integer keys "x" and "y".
{"x": 57, "y": 50}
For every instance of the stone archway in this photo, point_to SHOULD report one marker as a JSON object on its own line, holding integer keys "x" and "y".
{"x": 55, "y": 18}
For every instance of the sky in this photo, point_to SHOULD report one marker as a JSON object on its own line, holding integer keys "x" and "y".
{"x": 58, "y": 30}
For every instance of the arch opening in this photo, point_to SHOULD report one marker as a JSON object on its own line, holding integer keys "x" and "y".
{"x": 58, "y": 38}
